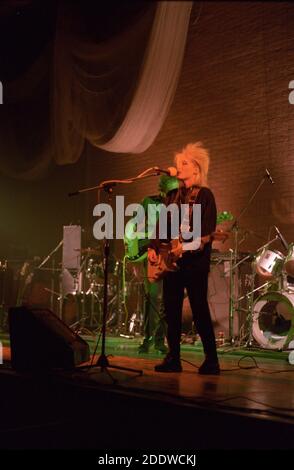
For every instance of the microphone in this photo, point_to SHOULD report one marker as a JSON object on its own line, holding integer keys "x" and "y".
{"x": 170, "y": 171}
{"x": 283, "y": 241}
{"x": 269, "y": 176}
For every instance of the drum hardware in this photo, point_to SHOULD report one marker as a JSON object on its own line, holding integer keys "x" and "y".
{"x": 119, "y": 266}
{"x": 235, "y": 228}
{"x": 234, "y": 286}
{"x": 249, "y": 296}
{"x": 53, "y": 269}
{"x": 136, "y": 320}
{"x": 89, "y": 251}
{"x": 81, "y": 308}
{"x": 266, "y": 284}
{"x": 132, "y": 324}
{"x": 270, "y": 316}
{"x": 36, "y": 284}
{"x": 77, "y": 308}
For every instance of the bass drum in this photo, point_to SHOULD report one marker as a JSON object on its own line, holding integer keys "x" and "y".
{"x": 273, "y": 319}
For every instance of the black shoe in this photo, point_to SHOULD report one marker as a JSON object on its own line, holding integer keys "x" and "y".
{"x": 169, "y": 364}
{"x": 144, "y": 347}
{"x": 160, "y": 347}
{"x": 209, "y": 367}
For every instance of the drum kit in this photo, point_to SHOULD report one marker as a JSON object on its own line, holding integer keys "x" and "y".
{"x": 270, "y": 306}
{"x": 76, "y": 295}
{"x": 268, "y": 299}
{"x": 82, "y": 308}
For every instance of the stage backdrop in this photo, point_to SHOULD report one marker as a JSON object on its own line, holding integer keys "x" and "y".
{"x": 232, "y": 94}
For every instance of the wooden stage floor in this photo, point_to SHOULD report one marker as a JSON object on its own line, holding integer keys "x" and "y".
{"x": 250, "y": 405}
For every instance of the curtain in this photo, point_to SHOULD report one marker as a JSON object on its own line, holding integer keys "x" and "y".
{"x": 115, "y": 91}
{"x": 94, "y": 83}
{"x": 112, "y": 94}
{"x": 156, "y": 89}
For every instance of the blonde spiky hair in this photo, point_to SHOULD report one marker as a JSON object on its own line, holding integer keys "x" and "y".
{"x": 199, "y": 156}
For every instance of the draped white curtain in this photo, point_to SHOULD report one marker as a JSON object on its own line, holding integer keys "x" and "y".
{"x": 94, "y": 82}
{"x": 158, "y": 83}
{"x": 116, "y": 94}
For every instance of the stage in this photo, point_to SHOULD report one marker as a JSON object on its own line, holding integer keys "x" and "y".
{"x": 249, "y": 406}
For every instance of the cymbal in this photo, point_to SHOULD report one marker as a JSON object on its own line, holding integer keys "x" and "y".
{"x": 48, "y": 269}
{"x": 89, "y": 251}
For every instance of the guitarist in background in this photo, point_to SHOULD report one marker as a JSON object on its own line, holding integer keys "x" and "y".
{"x": 193, "y": 266}
{"x": 154, "y": 324}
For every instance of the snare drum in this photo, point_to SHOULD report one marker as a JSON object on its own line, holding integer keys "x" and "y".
{"x": 273, "y": 319}
{"x": 269, "y": 264}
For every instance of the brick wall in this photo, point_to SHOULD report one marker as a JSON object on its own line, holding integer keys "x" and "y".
{"x": 232, "y": 96}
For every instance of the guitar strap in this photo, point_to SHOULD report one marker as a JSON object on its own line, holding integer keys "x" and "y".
{"x": 192, "y": 200}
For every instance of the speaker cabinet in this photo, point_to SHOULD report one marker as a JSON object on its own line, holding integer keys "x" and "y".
{"x": 218, "y": 299}
{"x": 39, "y": 341}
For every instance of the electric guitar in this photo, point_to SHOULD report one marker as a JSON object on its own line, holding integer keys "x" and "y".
{"x": 159, "y": 264}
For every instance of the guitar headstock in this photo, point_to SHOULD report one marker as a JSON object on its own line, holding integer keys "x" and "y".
{"x": 224, "y": 217}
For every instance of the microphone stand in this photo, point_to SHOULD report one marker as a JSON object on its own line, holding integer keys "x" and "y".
{"x": 102, "y": 361}
{"x": 52, "y": 282}
{"x": 107, "y": 186}
{"x": 234, "y": 261}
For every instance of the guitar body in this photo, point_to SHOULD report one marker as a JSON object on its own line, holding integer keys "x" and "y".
{"x": 169, "y": 253}
{"x": 165, "y": 261}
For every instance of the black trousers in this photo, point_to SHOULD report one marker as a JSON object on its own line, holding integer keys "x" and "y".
{"x": 196, "y": 284}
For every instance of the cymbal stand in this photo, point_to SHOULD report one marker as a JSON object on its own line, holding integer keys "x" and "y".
{"x": 120, "y": 296}
{"x": 80, "y": 327}
{"x": 136, "y": 320}
{"x": 234, "y": 281}
{"x": 102, "y": 361}
{"x": 52, "y": 283}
